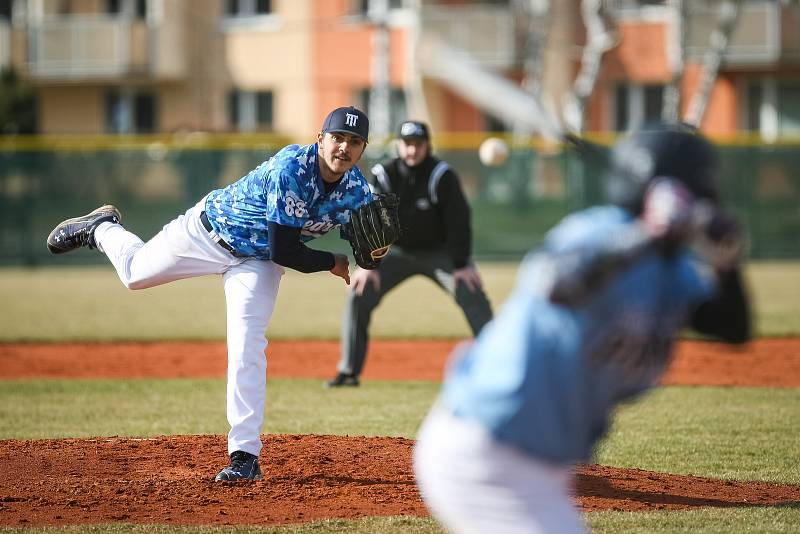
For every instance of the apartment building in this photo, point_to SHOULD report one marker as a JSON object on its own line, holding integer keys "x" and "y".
{"x": 758, "y": 86}
{"x": 151, "y": 66}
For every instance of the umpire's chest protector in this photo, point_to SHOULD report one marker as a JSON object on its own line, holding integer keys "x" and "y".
{"x": 418, "y": 190}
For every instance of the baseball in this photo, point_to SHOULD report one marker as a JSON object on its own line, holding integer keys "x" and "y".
{"x": 493, "y": 152}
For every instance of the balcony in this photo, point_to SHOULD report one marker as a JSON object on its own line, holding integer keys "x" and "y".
{"x": 484, "y": 31}
{"x": 766, "y": 32}
{"x": 101, "y": 47}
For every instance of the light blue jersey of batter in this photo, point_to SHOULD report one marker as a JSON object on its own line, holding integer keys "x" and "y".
{"x": 545, "y": 377}
{"x": 286, "y": 189}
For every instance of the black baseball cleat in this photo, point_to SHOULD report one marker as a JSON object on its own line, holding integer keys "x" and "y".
{"x": 342, "y": 380}
{"x": 79, "y": 231}
{"x": 243, "y": 466}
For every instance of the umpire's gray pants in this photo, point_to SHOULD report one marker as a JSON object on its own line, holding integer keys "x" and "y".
{"x": 397, "y": 266}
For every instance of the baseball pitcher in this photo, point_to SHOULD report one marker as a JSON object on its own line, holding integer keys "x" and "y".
{"x": 247, "y": 233}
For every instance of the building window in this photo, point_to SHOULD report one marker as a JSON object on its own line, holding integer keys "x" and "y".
{"x": 361, "y": 7}
{"x": 248, "y": 8}
{"x": 115, "y": 7}
{"x": 636, "y": 105}
{"x": 130, "y": 112}
{"x": 653, "y": 102}
{"x": 5, "y": 9}
{"x": 621, "y": 119}
{"x": 144, "y": 113}
{"x": 249, "y": 15}
{"x": 63, "y": 7}
{"x": 789, "y": 110}
{"x": 359, "y": 10}
{"x": 631, "y": 5}
{"x": 773, "y": 108}
{"x": 250, "y": 111}
{"x": 755, "y": 97}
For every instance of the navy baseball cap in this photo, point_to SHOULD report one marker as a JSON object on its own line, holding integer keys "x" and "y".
{"x": 413, "y": 130}
{"x": 348, "y": 120}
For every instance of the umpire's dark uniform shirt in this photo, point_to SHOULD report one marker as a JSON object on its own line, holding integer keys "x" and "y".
{"x": 433, "y": 211}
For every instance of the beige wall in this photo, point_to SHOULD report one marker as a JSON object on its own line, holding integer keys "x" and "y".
{"x": 196, "y": 101}
{"x": 71, "y": 110}
{"x": 279, "y": 60}
{"x": 18, "y": 52}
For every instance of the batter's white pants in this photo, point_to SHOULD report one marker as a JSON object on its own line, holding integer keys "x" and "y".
{"x": 473, "y": 484}
{"x": 184, "y": 249}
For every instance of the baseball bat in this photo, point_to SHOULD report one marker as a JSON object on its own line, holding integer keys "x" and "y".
{"x": 494, "y": 93}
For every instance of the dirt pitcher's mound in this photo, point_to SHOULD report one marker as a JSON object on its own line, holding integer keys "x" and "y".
{"x": 764, "y": 362}
{"x": 167, "y": 480}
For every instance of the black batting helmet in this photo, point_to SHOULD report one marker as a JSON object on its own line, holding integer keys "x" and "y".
{"x": 673, "y": 150}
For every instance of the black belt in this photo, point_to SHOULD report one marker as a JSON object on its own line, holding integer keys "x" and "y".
{"x": 215, "y": 236}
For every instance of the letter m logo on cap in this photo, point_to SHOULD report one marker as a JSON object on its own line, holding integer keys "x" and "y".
{"x": 350, "y": 119}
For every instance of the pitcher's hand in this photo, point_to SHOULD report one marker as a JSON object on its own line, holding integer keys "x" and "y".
{"x": 341, "y": 268}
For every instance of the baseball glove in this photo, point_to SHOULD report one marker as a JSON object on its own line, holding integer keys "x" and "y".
{"x": 372, "y": 229}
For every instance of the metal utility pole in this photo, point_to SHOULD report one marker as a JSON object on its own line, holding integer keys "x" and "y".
{"x": 416, "y": 105}
{"x": 532, "y": 23}
{"x": 676, "y": 55}
{"x": 728, "y": 16}
{"x": 379, "y": 95}
{"x": 600, "y": 37}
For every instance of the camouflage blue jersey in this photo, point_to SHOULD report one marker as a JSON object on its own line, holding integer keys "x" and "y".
{"x": 287, "y": 189}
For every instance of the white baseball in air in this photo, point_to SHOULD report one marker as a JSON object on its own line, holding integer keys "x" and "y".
{"x": 493, "y": 152}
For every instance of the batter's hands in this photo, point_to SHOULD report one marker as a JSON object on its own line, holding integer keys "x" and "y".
{"x": 341, "y": 268}
{"x": 362, "y": 277}
{"x": 668, "y": 210}
{"x": 722, "y": 241}
{"x": 469, "y": 277}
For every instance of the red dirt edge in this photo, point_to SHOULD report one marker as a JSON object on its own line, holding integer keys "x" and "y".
{"x": 764, "y": 362}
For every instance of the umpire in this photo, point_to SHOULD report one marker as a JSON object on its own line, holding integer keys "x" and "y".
{"x": 436, "y": 242}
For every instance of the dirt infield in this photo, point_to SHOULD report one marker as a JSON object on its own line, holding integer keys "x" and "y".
{"x": 765, "y": 362}
{"x": 167, "y": 480}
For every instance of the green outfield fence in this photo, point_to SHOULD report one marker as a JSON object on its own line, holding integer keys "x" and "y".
{"x": 152, "y": 179}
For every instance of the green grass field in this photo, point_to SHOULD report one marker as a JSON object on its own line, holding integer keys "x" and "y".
{"x": 89, "y": 303}
{"x": 737, "y": 433}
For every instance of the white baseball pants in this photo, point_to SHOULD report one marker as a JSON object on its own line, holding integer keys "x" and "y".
{"x": 474, "y": 484}
{"x": 184, "y": 249}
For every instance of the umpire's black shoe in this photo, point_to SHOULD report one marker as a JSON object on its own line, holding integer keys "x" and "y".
{"x": 342, "y": 379}
{"x": 79, "y": 231}
{"x": 243, "y": 466}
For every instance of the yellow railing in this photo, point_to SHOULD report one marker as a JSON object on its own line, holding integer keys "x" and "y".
{"x": 216, "y": 141}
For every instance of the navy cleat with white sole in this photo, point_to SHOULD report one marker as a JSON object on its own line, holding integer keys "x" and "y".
{"x": 243, "y": 466}
{"x": 79, "y": 231}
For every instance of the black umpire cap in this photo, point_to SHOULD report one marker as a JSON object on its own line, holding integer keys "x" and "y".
{"x": 348, "y": 120}
{"x": 414, "y": 130}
